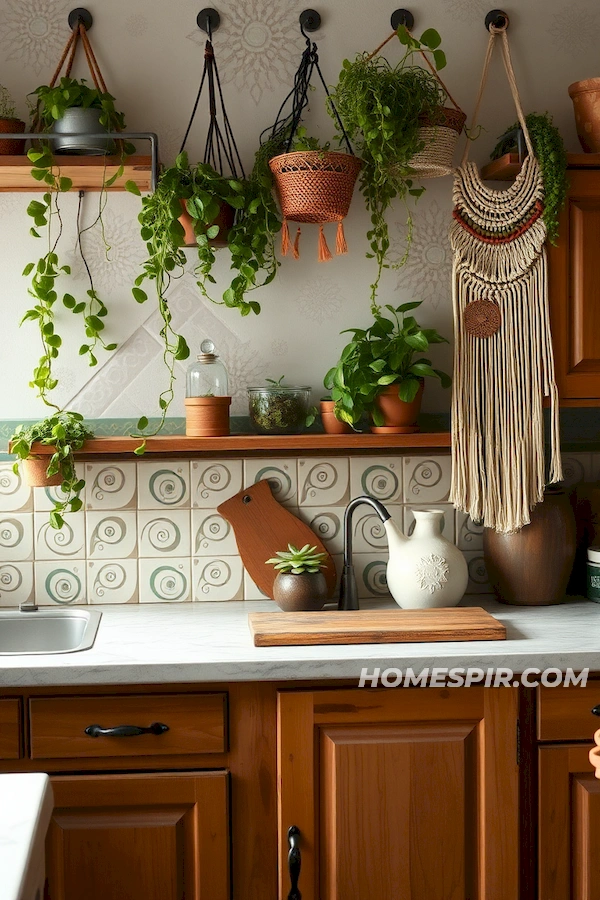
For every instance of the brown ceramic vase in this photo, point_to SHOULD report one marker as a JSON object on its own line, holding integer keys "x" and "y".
{"x": 586, "y": 104}
{"x": 399, "y": 416}
{"x": 300, "y": 593}
{"x": 224, "y": 220}
{"x": 34, "y": 472}
{"x": 331, "y": 424}
{"x": 532, "y": 566}
{"x": 12, "y": 146}
{"x": 207, "y": 416}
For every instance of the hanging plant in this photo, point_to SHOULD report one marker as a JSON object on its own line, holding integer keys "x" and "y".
{"x": 384, "y": 109}
{"x": 551, "y": 154}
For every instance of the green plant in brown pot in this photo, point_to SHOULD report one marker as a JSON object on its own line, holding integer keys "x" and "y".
{"x": 300, "y": 584}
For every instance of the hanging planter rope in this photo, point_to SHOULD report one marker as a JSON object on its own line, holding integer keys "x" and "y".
{"x": 313, "y": 186}
{"x": 220, "y": 148}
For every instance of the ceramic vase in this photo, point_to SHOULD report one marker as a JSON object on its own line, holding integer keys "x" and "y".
{"x": 34, "y": 473}
{"x": 300, "y": 593}
{"x": 331, "y": 424}
{"x": 586, "y": 105}
{"x": 425, "y": 570}
{"x": 531, "y": 567}
{"x": 399, "y": 416}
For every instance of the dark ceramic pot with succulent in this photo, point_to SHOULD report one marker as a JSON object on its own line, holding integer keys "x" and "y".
{"x": 378, "y": 375}
{"x": 278, "y": 408}
{"x": 300, "y": 585}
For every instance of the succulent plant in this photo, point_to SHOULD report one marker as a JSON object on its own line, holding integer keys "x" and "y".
{"x": 298, "y": 562}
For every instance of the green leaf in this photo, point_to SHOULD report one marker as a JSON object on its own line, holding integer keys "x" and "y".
{"x": 142, "y": 423}
{"x": 56, "y": 520}
{"x": 69, "y": 301}
{"x": 132, "y": 187}
{"x": 431, "y": 39}
{"x": 38, "y": 174}
{"x": 439, "y": 58}
{"x": 387, "y": 379}
{"x": 139, "y": 451}
{"x": 403, "y": 35}
{"x": 212, "y": 232}
{"x": 409, "y": 389}
{"x": 417, "y": 341}
{"x": 65, "y": 184}
{"x": 139, "y": 295}
{"x": 28, "y": 269}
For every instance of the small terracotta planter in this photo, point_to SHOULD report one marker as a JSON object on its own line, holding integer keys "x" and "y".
{"x": 586, "y": 104}
{"x": 300, "y": 593}
{"x": 224, "y": 220}
{"x": 12, "y": 146}
{"x": 331, "y": 424}
{"x": 399, "y": 417}
{"x": 207, "y": 416}
{"x": 34, "y": 472}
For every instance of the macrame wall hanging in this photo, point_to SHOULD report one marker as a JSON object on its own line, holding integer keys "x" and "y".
{"x": 503, "y": 359}
{"x": 313, "y": 186}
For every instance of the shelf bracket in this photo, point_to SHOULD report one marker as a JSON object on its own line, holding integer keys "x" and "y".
{"x": 82, "y": 16}
{"x": 402, "y": 17}
{"x": 208, "y": 20}
{"x": 310, "y": 20}
{"x": 498, "y": 18}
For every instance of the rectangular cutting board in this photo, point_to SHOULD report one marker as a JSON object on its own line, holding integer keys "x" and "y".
{"x": 385, "y": 626}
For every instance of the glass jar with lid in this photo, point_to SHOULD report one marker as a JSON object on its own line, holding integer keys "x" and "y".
{"x": 207, "y": 399}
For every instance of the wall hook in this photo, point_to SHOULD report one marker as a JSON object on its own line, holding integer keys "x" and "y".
{"x": 310, "y": 20}
{"x": 402, "y": 17}
{"x": 80, "y": 15}
{"x": 498, "y": 18}
{"x": 208, "y": 20}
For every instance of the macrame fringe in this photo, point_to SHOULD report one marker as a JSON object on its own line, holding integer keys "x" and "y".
{"x": 285, "y": 238}
{"x": 341, "y": 246}
{"x": 296, "y": 247}
{"x": 324, "y": 251}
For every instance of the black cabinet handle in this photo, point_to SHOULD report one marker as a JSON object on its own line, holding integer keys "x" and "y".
{"x": 596, "y": 710}
{"x": 125, "y": 730}
{"x": 294, "y": 862}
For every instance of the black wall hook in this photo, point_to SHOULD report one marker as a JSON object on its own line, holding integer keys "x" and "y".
{"x": 402, "y": 17}
{"x": 80, "y": 15}
{"x": 310, "y": 20}
{"x": 208, "y": 20}
{"x": 498, "y": 18}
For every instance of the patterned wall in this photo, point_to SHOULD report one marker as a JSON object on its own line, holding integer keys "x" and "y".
{"x": 150, "y": 531}
{"x": 152, "y": 59}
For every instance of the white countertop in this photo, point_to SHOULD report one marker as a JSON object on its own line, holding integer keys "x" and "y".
{"x": 25, "y": 811}
{"x": 211, "y": 642}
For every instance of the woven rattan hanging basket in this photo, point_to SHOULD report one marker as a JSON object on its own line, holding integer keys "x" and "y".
{"x": 440, "y": 139}
{"x": 315, "y": 186}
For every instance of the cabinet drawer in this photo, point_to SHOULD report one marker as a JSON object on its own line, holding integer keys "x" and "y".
{"x": 565, "y": 713}
{"x": 197, "y": 723}
{"x": 10, "y": 729}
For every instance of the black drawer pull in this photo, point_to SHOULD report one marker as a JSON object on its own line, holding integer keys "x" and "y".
{"x": 294, "y": 862}
{"x": 596, "y": 710}
{"x": 125, "y": 730}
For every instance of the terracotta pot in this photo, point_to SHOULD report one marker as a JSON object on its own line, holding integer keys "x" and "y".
{"x": 207, "y": 416}
{"x": 586, "y": 103}
{"x": 399, "y": 417}
{"x": 300, "y": 593}
{"x": 532, "y": 566}
{"x": 11, "y": 146}
{"x": 331, "y": 424}
{"x": 34, "y": 472}
{"x": 224, "y": 220}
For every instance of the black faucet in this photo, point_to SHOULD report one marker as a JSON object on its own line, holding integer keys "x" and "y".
{"x": 348, "y": 591}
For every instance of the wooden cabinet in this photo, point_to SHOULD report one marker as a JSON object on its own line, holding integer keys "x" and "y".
{"x": 403, "y": 793}
{"x": 574, "y": 269}
{"x": 10, "y": 729}
{"x": 127, "y": 837}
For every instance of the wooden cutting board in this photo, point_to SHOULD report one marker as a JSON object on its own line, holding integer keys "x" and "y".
{"x": 262, "y": 527}
{"x": 385, "y": 626}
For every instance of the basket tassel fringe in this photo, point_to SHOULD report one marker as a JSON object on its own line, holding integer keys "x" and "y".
{"x": 324, "y": 253}
{"x": 285, "y": 238}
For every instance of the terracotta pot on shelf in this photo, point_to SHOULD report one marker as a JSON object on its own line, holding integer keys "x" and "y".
{"x": 12, "y": 146}
{"x": 531, "y": 567}
{"x": 586, "y": 104}
{"x": 331, "y": 423}
{"x": 224, "y": 220}
{"x": 300, "y": 593}
{"x": 34, "y": 472}
{"x": 399, "y": 416}
{"x": 207, "y": 416}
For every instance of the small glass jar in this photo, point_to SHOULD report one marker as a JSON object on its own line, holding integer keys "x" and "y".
{"x": 207, "y": 377}
{"x": 279, "y": 409}
{"x": 593, "y": 574}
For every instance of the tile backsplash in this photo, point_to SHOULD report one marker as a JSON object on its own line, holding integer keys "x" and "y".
{"x": 149, "y": 531}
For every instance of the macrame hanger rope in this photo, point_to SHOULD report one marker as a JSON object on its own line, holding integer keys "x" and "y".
{"x": 510, "y": 74}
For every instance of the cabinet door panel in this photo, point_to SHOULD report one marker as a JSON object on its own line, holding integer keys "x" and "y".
{"x": 124, "y": 837}
{"x": 409, "y": 793}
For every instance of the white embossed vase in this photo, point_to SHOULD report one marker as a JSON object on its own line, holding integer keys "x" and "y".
{"x": 425, "y": 571}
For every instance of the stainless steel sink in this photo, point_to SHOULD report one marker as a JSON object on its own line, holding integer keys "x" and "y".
{"x": 47, "y": 630}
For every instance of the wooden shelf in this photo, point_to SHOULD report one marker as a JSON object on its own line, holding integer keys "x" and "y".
{"x": 237, "y": 444}
{"x": 86, "y": 172}
{"x": 508, "y": 166}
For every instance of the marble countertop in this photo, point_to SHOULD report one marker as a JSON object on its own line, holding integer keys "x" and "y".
{"x": 211, "y": 642}
{"x": 25, "y": 810}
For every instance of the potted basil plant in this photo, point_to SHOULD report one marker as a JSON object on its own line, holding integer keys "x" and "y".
{"x": 378, "y": 375}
